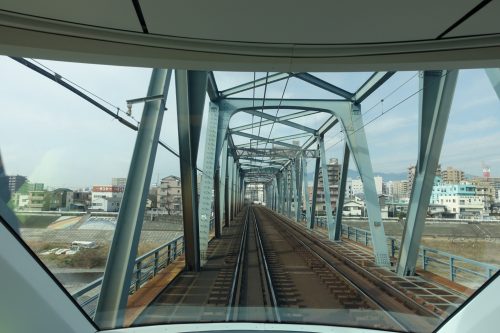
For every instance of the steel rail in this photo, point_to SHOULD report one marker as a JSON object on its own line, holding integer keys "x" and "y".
{"x": 377, "y": 280}
{"x": 353, "y": 285}
{"x": 269, "y": 281}
{"x": 237, "y": 271}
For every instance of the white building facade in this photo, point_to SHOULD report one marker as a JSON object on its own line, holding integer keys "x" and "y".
{"x": 106, "y": 198}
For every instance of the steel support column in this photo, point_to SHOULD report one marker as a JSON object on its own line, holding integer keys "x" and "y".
{"x": 280, "y": 193}
{"x": 312, "y": 222}
{"x": 437, "y": 89}
{"x": 356, "y": 138}
{"x": 298, "y": 189}
{"x": 326, "y": 189}
{"x": 337, "y": 233}
{"x": 223, "y": 185}
{"x": 116, "y": 282}
{"x": 230, "y": 189}
{"x": 295, "y": 196}
{"x": 275, "y": 193}
{"x": 217, "y": 204}
{"x": 287, "y": 207}
{"x": 305, "y": 189}
{"x": 207, "y": 179}
{"x": 191, "y": 89}
{"x": 494, "y": 76}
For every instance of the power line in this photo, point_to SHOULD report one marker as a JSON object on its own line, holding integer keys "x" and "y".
{"x": 54, "y": 76}
{"x": 375, "y": 105}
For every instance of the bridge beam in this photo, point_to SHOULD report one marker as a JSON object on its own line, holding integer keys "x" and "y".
{"x": 223, "y": 186}
{"x": 312, "y": 221}
{"x": 207, "y": 179}
{"x": 191, "y": 88}
{"x": 437, "y": 89}
{"x": 326, "y": 189}
{"x": 117, "y": 277}
{"x": 494, "y": 76}
{"x": 305, "y": 189}
{"x": 298, "y": 188}
{"x": 217, "y": 204}
{"x": 356, "y": 139}
{"x": 337, "y": 233}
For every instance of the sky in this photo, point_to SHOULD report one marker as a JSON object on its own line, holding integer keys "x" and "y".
{"x": 52, "y": 136}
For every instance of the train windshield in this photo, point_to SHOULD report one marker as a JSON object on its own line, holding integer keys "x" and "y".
{"x": 365, "y": 199}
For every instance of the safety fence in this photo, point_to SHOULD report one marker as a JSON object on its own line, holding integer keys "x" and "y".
{"x": 146, "y": 267}
{"x": 457, "y": 268}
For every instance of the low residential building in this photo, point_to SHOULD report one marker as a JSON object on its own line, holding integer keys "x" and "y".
{"x": 460, "y": 199}
{"x": 82, "y": 200}
{"x": 485, "y": 190}
{"x": 107, "y": 197}
{"x": 353, "y": 207}
{"x": 169, "y": 196}
{"x": 36, "y": 200}
{"x": 107, "y": 204}
{"x": 60, "y": 199}
{"x": 20, "y": 201}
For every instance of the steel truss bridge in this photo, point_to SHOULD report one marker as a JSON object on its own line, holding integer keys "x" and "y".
{"x": 278, "y": 163}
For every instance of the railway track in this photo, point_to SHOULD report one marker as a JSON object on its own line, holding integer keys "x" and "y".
{"x": 266, "y": 269}
{"x": 252, "y": 296}
{"x": 367, "y": 300}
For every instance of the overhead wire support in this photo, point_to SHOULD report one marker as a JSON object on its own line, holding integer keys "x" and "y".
{"x": 62, "y": 81}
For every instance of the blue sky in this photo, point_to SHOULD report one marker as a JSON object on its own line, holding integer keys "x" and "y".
{"x": 52, "y": 136}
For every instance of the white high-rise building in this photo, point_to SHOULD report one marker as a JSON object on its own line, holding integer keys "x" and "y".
{"x": 378, "y": 184}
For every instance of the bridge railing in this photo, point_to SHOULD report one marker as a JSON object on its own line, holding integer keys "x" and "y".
{"x": 456, "y": 268}
{"x": 146, "y": 267}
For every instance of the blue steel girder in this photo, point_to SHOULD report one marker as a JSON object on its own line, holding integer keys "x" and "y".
{"x": 293, "y": 170}
{"x": 342, "y": 189}
{"x": 274, "y": 152}
{"x": 290, "y": 116}
{"x": 207, "y": 180}
{"x": 299, "y": 174}
{"x": 223, "y": 184}
{"x": 312, "y": 217}
{"x": 264, "y": 170}
{"x": 112, "y": 301}
{"x": 370, "y": 85}
{"x": 494, "y": 76}
{"x": 212, "y": 90}
{"x": 305, "y": 191}
{"x": 191, "y": 89}
{"x": 280, "y": 138}
{"x": 349, "y": 115}
{"x": 263, "y": 139}
{"x": 326, "y": 190}
{"x": 309, "y": 78}
{"x": 254, "y": 84}
{"x": 436, "y": 94}
{"x": 280, "y": 121}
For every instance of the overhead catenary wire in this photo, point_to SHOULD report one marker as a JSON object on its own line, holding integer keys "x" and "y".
{"x": 380, "y": 102}
{"x": 385, "y": 111}
{"x": 54, "y": 76}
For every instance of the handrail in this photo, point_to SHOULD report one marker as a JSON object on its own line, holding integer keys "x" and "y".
{"x": 146, "y": 267}
{"x": 427, "y": 255}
